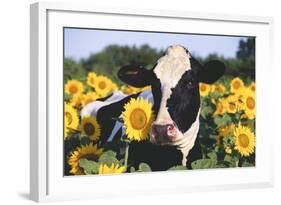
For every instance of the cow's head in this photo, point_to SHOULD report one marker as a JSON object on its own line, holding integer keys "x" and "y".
{"x": 175, "y": 87}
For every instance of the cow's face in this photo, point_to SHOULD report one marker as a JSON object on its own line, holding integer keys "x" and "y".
{"x": 175, "y": 86}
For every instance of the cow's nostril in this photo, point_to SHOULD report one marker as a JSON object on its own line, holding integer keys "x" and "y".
{"x": 170, "y": 127}
{"x": 163, "y": 130}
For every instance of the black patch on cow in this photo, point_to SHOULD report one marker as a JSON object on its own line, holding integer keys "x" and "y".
{"x": 195, "y": 153}
{"x": 157, "y": 94}
{"x": 184, "y": 102}
{"x": 159, "y": 158}
{"x": 211, "y": 71}
{"x": 108, "y": 114}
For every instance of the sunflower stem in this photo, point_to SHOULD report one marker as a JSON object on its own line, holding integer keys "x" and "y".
{"x": 126, "y": 154}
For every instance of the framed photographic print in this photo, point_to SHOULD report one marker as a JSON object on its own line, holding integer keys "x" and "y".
{"x": 152, "y": 101}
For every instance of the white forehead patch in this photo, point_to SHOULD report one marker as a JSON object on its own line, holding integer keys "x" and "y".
{"x": 172, "y": 66}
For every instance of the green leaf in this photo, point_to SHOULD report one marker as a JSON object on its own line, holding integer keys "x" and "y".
{"x": 223, "y": 120}
{"x": 205, "y": 111}
{"x": 223, "y": 164}
{"x": 214, "y": 95}
{"x": 132, "y": 169}
{"x": 143, "y": 167}
{"x": 247, "y": 164}
{"x": 231, "y": 159}
{"x": 89, "y": 167}
{"x": 204, "y": 164}
{"x": 212, "y": 155}
{"x": 179, "y": 167}
{"x": 108, "y": 158}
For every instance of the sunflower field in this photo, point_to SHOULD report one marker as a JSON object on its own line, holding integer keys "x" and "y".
{"x": 227, "y": 126}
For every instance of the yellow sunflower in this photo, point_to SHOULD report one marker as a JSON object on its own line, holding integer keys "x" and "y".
{"x": 221, "y": 106}
{"x": 89, "y": 97}
{"x": 91, "y": 78}
{"x": 71, "y": 119}
{"x": 89, "y": 152}
{"x": 252, "y": 86}
{"x": 236, "y": 84}
{"x": 244, "y": 140}
{"x": 204, "y": 89}
{"x": 249, "y": 102}
{"x": 218, "y": 87}
{"x": 225, "y": 131}
{"x": 90, "y": 127}
{"x": 113, "y": 169}
{"x": 77, "y": 101}
{"x": 228, "y": 150}
{"x": 103, "y": 85}
{"x": 231, "y": 106}
{"x": 138, "y": 116}
{"x": 73, "y": 87}
{"x": 114, "y": 86}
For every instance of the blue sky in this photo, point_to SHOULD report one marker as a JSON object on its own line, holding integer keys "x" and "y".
{"x": 80, "y": 43}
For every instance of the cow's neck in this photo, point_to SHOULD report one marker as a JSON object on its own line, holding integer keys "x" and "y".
{"x": 188, "y": 141}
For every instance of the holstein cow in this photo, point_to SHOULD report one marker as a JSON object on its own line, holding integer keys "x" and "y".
{"x": 174, "y": 82}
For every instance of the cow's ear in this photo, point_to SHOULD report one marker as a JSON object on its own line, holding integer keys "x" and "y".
{"x": 211, "y": 71}
{"x": 135, "y": 75}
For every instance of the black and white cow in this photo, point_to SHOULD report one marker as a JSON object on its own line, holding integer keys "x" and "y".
{"x": 176, "y": 103}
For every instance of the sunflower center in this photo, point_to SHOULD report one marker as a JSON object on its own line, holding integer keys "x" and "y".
{"x": 203, "y": 88}
{"x": 243, "y": 140}
{"x": 232, "y": 106}
{"x": 92, "y": 157}
{"x": 92, "y": 80}
{"x": 250, "y": 103}
{"x": 73, "y": 88}
{"x": 138, "y": 119}
{"x": 89, "y": 128}
{"x": 236, "y": 85}
{"x": 68, "y": 117}
{"x": 102, "y": 85}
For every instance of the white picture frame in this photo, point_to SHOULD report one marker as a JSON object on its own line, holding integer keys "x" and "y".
{"x": 47, "y": 182}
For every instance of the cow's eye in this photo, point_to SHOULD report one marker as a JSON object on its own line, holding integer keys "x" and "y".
{"x": 189, "y": 84}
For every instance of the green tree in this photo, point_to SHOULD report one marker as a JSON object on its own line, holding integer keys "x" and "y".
{"x": 111, "y": 58}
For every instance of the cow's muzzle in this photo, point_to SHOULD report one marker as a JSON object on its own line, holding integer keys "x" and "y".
{"x": 161, "y": 133}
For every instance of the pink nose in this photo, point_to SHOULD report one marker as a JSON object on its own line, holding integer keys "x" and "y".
{"x": 168, "y": 130}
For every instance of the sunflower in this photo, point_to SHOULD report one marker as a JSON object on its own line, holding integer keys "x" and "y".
{"x": 130, "y": 90}
{"x": 113, "y": 169}
{"x": 231, "y": 106}
{"x": 204, "y": 89}
{"x": 218, "y": 87}
{"x": 114, "y": 86}
{"x": 252, "y": 86}
{"x": 91, "y": 78}
{"x": 103, "y": 85}
{"x": 244, "y": 140}
{"x": 71, "y": 119}
{"x": 236, "y": 84}
{"x": 90, "y": 127}
{"x": 73, "y": 87}
{"x": 89, "y": 97}
{"x": 249, "y": 102}
{"x": 90, "y": 152}
{"x": 77, "y": 101}
{"x": 228, "y": 150}
{"x": 225, "y": 131}
{"x": 221, "y": 106}
{"x": 138, "y": 116}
